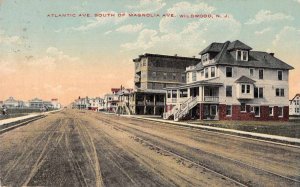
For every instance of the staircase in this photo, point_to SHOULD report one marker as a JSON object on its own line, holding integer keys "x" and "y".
{"x": 123, "y": 109}
{"x": 185, "y": 108}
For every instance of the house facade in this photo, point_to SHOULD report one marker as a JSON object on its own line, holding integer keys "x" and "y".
{"x": 153, "y": 73}
{"x": 295, "y": 106}
{"x": 232, "y": 82}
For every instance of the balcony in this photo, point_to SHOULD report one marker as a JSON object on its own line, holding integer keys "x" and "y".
{"x": 160, "y": 103}
{"x": 211, "y": 98}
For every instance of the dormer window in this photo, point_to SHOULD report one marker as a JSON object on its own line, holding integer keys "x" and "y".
{"x": 205, "y": 57}
{"x": 241, "y": 55}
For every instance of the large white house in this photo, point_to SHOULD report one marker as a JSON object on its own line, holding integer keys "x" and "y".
{"x": 295, "y": 106}
{"x": 232, "y": 82}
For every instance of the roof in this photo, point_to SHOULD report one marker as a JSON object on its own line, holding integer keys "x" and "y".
{"x": 214, "y": 81}
{"x": 238, "y": 45}
{"x": 165, "y": 56}
{"x": 244, "y": 79}
{"x": 213, "y": 47}
{"x": 298, "y": 94}
{"x": 256, "y": 59}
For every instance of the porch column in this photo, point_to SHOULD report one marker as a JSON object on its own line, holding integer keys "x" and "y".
{"x": 200, "y": 93}
{"x": 154, "y": 105}
{"x": 188, "y": 92}
{"x": 165, "y": 104}
{"x": 178, "y": 91}
{"x": 145, "y": 104}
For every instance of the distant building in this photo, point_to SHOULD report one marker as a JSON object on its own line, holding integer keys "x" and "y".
{"x": 13, "y": 103}
{"x": 96, "y": 104}
{"x": 37, "y": 103}
{"x": 111, "y": 100}
{"x": 55, "y": 103}
{"x": 153, "y": 73}
{"x": 295, "y": 106}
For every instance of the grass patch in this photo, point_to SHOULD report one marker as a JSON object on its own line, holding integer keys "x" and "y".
{"x": 288, "y": 129}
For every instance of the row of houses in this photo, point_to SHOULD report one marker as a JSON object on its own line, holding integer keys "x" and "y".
{"x": 111, "y": 102}
{"x": 228, "y": 81}
{"x": 35, "y": 103}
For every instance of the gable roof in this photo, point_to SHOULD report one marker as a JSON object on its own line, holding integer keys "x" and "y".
{"x": 256, "y": 59}
{"x": 298, "y": 94}
{"x": 238, "y": 45}
{"x": 244, "y": 79}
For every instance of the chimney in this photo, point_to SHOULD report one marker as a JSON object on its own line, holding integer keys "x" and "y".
{"x": 272, "y": 54}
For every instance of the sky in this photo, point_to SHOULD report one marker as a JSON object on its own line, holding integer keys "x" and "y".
{"x": 89, "y": 51}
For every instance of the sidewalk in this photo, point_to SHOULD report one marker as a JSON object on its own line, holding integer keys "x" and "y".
{"x": 228, "y": 131}
{"x": 14, "y": 120}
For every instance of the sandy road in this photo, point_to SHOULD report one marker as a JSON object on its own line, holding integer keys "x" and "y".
{"x": 76, "y": 148}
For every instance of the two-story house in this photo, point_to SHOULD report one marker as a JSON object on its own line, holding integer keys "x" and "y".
{"x": 295, "y": 106}
{"x": 153, "y": 73}
{"x": 232, "y": 82}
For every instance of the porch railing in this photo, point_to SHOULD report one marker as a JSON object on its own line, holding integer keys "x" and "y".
{"x": 211, "y": 98}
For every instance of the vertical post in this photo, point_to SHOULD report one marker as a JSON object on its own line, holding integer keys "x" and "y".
{"x": 154, "y": 104}
{"x": 145, "y": 104}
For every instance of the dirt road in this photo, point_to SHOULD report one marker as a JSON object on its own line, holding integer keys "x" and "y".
{"x": 80, "y": 148}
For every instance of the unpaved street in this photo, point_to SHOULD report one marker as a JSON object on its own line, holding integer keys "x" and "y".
{"x": 81, "y": 148}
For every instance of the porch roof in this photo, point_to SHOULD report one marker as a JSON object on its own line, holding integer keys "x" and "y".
{"x": 244, "y": 79}
{"x": 195, "y": 84}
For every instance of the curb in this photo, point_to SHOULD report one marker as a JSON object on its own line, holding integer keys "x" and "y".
{"x": 259, "y": 136}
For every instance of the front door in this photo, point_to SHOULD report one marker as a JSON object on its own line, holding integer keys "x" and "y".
{"x": 213, "y": 110}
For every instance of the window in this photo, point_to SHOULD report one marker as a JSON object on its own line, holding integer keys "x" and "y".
{"x": 228, "y": 91}
{"x": 245, "y": 88}
{"x": 212, "y": 72}
{"x": 174, "y": 93}
{"x": 279, "y": 92}
{"x": 279, "y": 74}
{"x": 280, "y": 111}
{"x": 154, "y": 75}
{"x": 183, "y": 77}
{"x": 206, "y": 72}
{"x": 165, "y": 75}
{"x": 228, "y": 71}
{"x": 271, "y": 111}
{"x": 251, "y": 72}
{"x": 243, "y": 107}
{"x": 297, "y": 110}
{"x": 202, "y": 73}
{"x": 194, "y": 78}
{"x": 188, "y": 76}
{"x": 228, "y": 110}
{"x": 258, "y": 92}
{"x": 257, "y": 111}
{"x": 174, "y": 76}
{"x": 261, "y": 74}
{"x": 242, "y": 55}
{"x": 205, "y": 57}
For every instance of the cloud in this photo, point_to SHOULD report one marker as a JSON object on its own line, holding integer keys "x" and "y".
{"x": 288, "y": 39}
{"x": 146, "y": 39}
{"x": 130, "y": 28}
{"x": 261, "y": 32}
{"x": 107, "y": 32}
{"x": 51, "y": 60}
{"x": 267, "y": 16}
{"x": 105, "y": 18}
{"x": 9, "y": 40}
{"x": 147, "y": 6}
{"x": 187, "y": 36}
{"x": 169, "y": 24}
